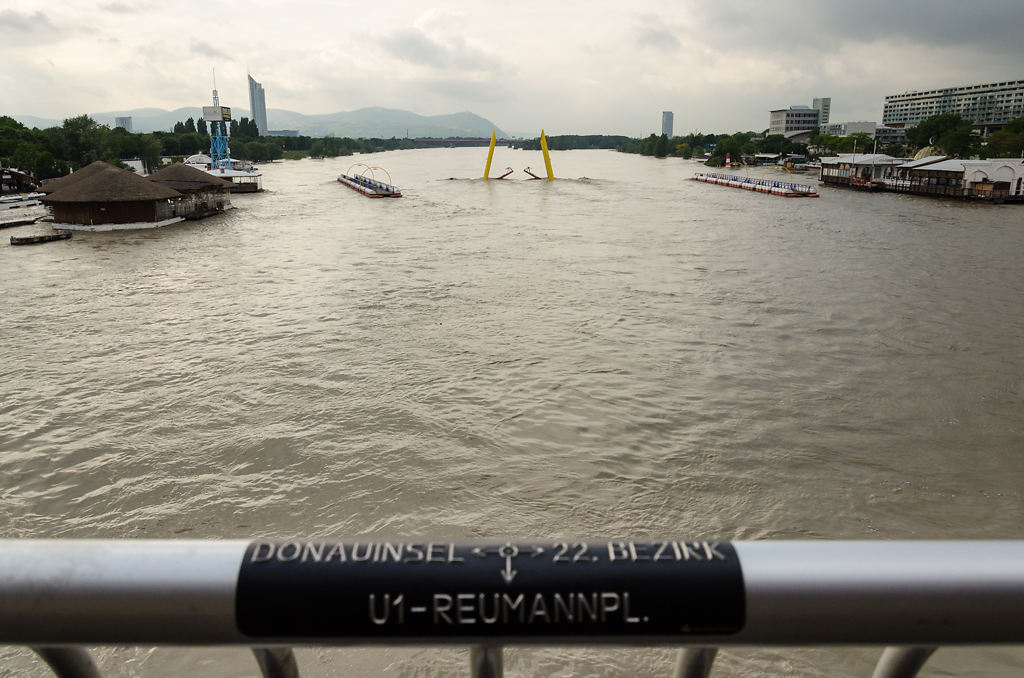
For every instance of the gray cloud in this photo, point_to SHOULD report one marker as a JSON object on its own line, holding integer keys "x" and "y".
{"x": 120, "y": 8}
{"x": 205, "y": 49}
{"x": 792, "y": 27}
{"x": 415, "y": 46}
{"x": 18, "y": 29}
{"x": 656, "y": 36}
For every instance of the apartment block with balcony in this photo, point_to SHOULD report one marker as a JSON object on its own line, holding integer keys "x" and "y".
{"x": 987, "y": 106}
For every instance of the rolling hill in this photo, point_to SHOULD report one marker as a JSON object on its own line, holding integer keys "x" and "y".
{"x": 381, "y": 123}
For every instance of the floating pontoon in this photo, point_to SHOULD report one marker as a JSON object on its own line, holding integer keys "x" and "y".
{"x": 369, "y": 186}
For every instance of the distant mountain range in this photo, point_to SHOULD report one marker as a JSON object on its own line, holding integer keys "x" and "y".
{"x": 382, "y": 123}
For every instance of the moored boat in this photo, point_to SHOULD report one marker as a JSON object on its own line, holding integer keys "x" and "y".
{"x": 369, "y": 186}
{"x": 771, "y": 186}
{"x": 20, "y": 209}
{"x": 41, "y": 238}
{"x": 245, "y": 177}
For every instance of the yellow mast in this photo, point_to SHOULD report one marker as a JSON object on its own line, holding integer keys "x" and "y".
{"x": 490, "y": 154}
{"x": 547, "y": 158}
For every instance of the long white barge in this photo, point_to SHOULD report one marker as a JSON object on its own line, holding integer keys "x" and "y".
{"x": 770, "y": 186}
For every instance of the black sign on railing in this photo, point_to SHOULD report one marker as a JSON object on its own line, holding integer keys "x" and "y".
{"x": 400, "y": 589}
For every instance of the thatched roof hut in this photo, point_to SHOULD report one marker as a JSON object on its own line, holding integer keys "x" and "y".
{"x": 112, "y": 185}
{"x": 186, "y": 179}
{"x": 113, "y": 198}
{"x": 54, "y": 185}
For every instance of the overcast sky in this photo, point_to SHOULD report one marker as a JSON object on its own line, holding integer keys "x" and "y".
{"x": 570, "y": 67}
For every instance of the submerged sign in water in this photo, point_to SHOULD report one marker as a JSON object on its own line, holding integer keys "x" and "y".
{"x": 381, "y": 589}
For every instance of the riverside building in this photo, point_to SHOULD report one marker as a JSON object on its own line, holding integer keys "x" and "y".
{"x": 666, "y": 123}
{"x": 987, "y": 107}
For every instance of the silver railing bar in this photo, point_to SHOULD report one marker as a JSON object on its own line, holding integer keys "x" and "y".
{"x": 69, "y": 662}
{"x": 276, "y": 662}
{"x": 902, "y": 662}
{"x": 486, "y": 661}
{"x": 896, "y": 593}
{"x": 695, "y": 662}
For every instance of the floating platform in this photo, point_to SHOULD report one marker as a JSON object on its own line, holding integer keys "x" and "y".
{"x": 36, "y": 239}
{"x": 770, "y": 186}
{"x": 369, "y": 186}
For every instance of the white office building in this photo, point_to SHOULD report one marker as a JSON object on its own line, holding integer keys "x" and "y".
{"x": 793, "y": 119}
{"x": 845, "y": 129}
{"x": 824, "y": 107}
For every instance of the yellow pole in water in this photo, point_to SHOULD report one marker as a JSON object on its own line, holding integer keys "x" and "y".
{"x": 547, "y": 158}
{"x": 490, "y": 154}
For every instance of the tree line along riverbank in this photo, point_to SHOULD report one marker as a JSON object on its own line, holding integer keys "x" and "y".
{"x": 79, "y": 141}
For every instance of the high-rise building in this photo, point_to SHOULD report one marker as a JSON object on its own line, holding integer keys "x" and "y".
{"x": 985, "y": 106}
{"x": 824, "y": 106}
{"x": 666, "y": 123}
{"x": 258, "y": 106}
{"x": 125, "y": 122}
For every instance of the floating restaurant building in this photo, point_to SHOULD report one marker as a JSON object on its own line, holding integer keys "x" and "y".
{"x": 202, "y": 194}
{"x": 863, "y": 170}
{"x": 995, "y": 179}
{"x": 113, "y": 199}
{"x": 101, "y": 197}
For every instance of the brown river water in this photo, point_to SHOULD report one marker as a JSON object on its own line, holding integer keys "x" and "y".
{"x": 622, "y": 352}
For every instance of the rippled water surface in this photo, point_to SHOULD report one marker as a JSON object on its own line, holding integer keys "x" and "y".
{"x": 622, "y": 352}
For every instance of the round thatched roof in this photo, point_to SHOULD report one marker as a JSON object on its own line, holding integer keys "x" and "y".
{"x": 183, "y": 178}
{"x": 89, "y": 170}
{"x": 112, "y": 185}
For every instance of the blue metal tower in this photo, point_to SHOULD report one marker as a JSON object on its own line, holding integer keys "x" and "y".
{"x": 218, "y": 116}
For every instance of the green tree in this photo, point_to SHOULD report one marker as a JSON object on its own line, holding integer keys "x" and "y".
{"x": 960, "y": 142}
{"x": 85, "y": 139}
{"x": 1007, "y": 142}
{"x": 201, "y": 127}
{"x": 317, "y": 149}
{"x": 190, "y": 126}
{"x": 150, "y": 152}
{"x": 661, "y": 147}
{"x": 930, "y": 130}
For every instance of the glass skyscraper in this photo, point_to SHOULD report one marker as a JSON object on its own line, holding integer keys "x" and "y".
{"x": 258, "y": 106}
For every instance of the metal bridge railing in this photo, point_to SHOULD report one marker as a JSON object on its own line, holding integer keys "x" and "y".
{"x": 57, "y": 596}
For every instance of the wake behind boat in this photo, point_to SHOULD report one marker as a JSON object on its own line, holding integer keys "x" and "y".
{"x": 369, "y": 186}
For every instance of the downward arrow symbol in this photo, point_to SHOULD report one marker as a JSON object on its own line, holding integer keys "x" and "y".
{"x": 508, "y": 574}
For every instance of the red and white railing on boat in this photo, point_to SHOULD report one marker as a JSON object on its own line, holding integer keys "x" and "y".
{"x": 770, "y": 186}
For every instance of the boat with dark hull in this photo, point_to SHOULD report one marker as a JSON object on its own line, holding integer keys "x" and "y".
{"x": 37, "y": 239}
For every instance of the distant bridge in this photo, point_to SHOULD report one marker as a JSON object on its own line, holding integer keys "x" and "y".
{"x": 459, "y": 142}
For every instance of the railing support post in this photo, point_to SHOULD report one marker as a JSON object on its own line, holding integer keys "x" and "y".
{"x": 485, "y": 661}
{"x": 69, "y": 662}
{"x": 902, "y": 662}
{"x": 695, "y": 662}
{"x": 276, "y": 662}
